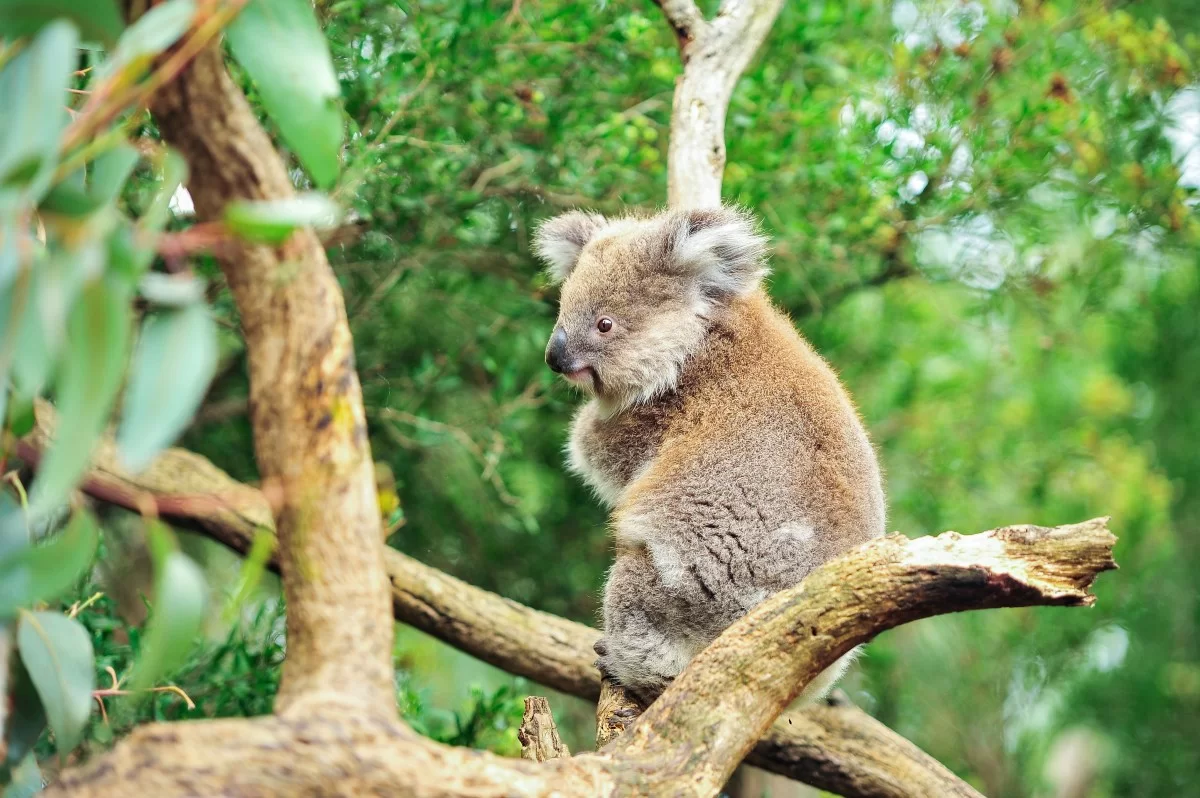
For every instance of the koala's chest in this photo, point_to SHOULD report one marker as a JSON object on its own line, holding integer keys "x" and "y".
{"x": 610, "y": 452}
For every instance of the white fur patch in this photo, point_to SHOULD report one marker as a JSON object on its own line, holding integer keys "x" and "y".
{"x": 820, "y": 687}
{"x": 608, "y": 491}
{"x": 797, "y": 531}
{"x": 558, "y": 242}
{"x": 727, "y": 254}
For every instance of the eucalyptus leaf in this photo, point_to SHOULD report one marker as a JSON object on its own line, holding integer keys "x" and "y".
{"x": 27, "y": 719}
{"x": 98, "y": 20}
{"x": 33, "y": 93}
{"x": 46, "y": 571}
{"x": 151, "y": 34}
{"x": 93, "y": 364}
{"x": 172, "y": 290}
{"x": 180, "y": 598}
{"x": 281, "y": 46}
{"x": 110, "y": 171}
{"x": 26, "y": 780}
{"x": 175, "y": 360}
{"x": 272, "y": 221}
{"x": 57, "y": 652}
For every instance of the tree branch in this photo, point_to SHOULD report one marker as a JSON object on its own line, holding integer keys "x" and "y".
{"x": 840, "y": 749}
{"x": 785, "y": 642}
{"x": 714, "y": 56}
{"x": 306, "y": 404}
{"x": 691, "y": 738}
{"x": 685, "y": 19}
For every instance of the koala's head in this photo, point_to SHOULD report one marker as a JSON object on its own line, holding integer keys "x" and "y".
{"x": 639, "y": 294}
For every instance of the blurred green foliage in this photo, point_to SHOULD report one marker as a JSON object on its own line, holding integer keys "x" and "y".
{"x": 983, "y": 216}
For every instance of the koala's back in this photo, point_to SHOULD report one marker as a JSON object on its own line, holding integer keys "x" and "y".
{"x": 755, "y": 471}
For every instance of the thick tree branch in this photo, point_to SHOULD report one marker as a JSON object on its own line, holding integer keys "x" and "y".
{"x": 785, "y": 642}
{"x": 690, "y": 739}
{"x": 839, "y": 749}
{"x": 714, "y": 56}
{"x": 310, "y": 432}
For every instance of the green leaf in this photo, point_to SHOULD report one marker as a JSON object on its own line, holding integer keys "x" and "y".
{"x": 280, "y": 45}
{"x": 33, "y": 95}
{"x": 174, "y": 363}
{"x": 57, "y": 652}
{"x": 27, "y": 719}
{"x": 98, "y": 20}
{"x": 26, "y": 779}
{"x": 172, "y": 290}
{"x": 151, "y": 34}
{"x": 272, "y": 221}
{"x": 20, "y": 417}
{"x": 90, "y": 375}
{"x": 180, "y": 598}
{"x": 110, "y": 171}
{"x": 46, "y": 571}
{"x": 54, "y": 285}
{"x": 67, "y": 200}
{"x": 14, "y": 299}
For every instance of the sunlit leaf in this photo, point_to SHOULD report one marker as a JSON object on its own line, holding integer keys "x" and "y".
{"x": 175, "y": 360}
{"x": 151, "y": 34}
{"x": 93, "y": 364}
{"x": 280, "y": 45}
{"x": 99, "y": 20}
{"x": 53, "y": 284}
{"x": 272, "y": 221}
{"x": 57, "y": 652}
{"x": 47, "y": 570}
{"x": 172, "y": 290}
{"x": 33, "y": 94}
{"x": 180, "y": 597}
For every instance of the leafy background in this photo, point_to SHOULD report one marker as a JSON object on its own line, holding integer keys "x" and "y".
{"x": 982, "y": 215}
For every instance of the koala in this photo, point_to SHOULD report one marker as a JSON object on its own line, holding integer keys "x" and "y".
{"x": 730, "y": 456}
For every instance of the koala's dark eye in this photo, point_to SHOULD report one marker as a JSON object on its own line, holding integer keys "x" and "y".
{"x": 604, "y": 325}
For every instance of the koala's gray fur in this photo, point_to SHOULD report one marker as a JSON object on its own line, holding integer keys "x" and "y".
{"x": 732, "y": 459}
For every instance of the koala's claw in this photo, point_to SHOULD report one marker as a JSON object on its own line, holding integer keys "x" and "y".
{"x": 626, "y": 713}
{"x": 601, "y": 647}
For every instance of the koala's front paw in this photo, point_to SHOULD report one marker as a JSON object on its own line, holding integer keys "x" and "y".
{"x": 604, "y": 659}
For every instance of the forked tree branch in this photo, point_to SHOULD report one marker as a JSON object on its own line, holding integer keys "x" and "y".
{"x": 839, "y": 749}
{"x": 714, "y": 55}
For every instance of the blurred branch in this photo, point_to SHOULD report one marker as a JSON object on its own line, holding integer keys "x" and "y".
{"x": 836, "y": 748}
{"x": 896, "y": 269}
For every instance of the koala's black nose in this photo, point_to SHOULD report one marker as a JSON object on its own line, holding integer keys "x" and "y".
{"x": 556, "y": 351}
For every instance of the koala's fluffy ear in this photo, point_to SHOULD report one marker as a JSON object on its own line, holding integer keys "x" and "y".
{"x": 722, "y": 248}
{"x": 559, "y": 241}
